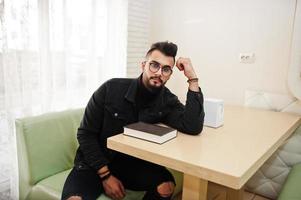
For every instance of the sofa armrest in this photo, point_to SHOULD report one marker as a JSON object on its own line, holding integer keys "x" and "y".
{"x": 291, "y": 188}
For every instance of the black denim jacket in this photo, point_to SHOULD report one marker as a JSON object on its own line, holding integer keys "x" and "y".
{"x": 112, "y": 106}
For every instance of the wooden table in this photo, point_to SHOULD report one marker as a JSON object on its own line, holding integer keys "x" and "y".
{"x": 228, "y": 155}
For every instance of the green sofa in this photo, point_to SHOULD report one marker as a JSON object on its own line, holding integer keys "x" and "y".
{"x": 46, "y": 147}
{"x": 291, "y": 189}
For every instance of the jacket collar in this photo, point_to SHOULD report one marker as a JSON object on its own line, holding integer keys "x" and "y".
{"x": 132, "y": 90}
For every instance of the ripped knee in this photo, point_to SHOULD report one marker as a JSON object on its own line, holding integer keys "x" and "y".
{"x": 166, "y": 189}
{"x": 74, "y": 198}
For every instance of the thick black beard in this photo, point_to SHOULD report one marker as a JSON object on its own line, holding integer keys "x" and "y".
{"x": 153, "y": 89}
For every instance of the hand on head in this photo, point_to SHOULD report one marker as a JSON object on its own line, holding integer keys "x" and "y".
{"x": 184, "y": 64}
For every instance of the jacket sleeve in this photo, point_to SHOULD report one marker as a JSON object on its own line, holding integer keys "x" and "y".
{"x": 189, "y": 118}
{"x": 89, "y": 130}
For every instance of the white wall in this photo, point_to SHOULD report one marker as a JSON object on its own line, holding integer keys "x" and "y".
{"x": 214, "y": 32}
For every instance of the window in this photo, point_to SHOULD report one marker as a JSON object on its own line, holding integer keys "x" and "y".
{"x": 53, "y": 55}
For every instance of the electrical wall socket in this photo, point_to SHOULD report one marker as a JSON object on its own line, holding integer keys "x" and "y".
{"x": 247, "y": 58}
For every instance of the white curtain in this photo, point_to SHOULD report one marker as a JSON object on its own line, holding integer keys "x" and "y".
{"x": 53, "y": 55}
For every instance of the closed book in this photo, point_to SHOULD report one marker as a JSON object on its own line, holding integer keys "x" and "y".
{"x": 150, "y": 132}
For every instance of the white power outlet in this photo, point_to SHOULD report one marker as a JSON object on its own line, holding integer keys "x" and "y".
{"x": 247, "y": 58}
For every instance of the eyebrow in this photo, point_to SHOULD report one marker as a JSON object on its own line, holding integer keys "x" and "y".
{"x": 160, "y": 63}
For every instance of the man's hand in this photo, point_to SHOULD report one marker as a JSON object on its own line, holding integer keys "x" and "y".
{"x": 184, "y": 64}
{"x": 113, "y": 188}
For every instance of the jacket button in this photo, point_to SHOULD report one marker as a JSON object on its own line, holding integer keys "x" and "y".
{"x": 160, "y": 113}
{"x": 116, "y": 114}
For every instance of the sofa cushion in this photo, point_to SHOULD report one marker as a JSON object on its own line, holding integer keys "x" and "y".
{"x": 291, "y": 189}
{"x": 50, "y": 142}
{"x": 49, "y": 188}
{"x": 269, "y": 179}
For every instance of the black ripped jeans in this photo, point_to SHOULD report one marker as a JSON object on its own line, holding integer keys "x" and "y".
{"x": 135, "y": 174}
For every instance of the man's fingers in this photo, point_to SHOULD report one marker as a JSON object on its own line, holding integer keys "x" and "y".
{"x": 110, "y": 194}
{"x": 119, "y": 190}
{"x": 118, "y": 194}
{"x": 122, "y": 188}
{"x": 114, "y": 188}
{"x": 180, "y": 65}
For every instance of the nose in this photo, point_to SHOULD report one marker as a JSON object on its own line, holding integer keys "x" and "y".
{"x": 159, "y": 71}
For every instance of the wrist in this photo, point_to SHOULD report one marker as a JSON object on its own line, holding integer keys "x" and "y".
{"x": 191, "y": 80}
{"x": 105, "y": 177}
{"x": 191, "y": 75}
{"x": 194, "y": 86}
{"x": 103, "y": 171}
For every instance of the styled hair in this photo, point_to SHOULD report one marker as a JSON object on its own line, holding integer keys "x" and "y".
{"x": 167, "y": 48}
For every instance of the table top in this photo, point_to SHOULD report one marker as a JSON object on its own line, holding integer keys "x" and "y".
{"x": 228, "y": 155}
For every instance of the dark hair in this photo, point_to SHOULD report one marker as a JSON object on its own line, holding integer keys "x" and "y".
{"x": 167, "y": 48}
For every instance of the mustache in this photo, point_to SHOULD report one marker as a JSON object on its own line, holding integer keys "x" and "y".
{"x": 157, "y": 77}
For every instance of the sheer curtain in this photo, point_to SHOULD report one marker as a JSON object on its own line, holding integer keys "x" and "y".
{"x": 53, "y": 55}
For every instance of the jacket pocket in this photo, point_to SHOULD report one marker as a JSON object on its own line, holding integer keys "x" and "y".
{"x": 114, "y": 120}
{"x": 116, "y": 113}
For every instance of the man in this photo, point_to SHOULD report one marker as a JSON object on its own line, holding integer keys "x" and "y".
{"x": 119, "y": 102}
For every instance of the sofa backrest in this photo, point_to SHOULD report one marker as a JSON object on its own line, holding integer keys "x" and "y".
{"x": 46, "y": 144}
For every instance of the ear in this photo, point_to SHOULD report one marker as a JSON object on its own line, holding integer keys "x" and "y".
{"x": 143, "y": 65}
